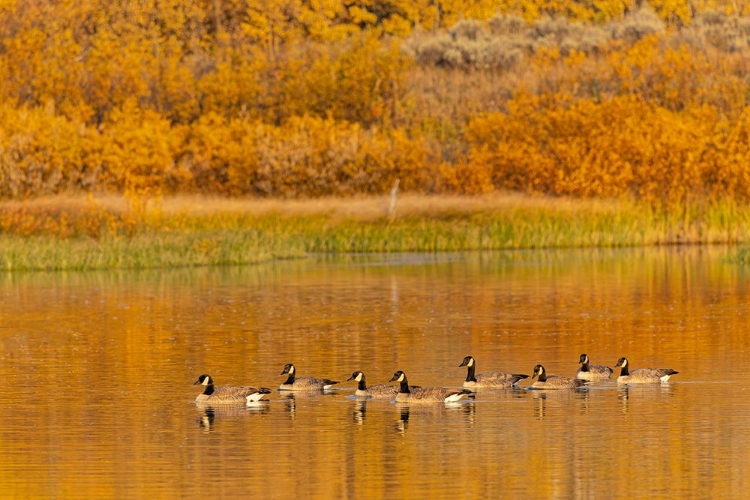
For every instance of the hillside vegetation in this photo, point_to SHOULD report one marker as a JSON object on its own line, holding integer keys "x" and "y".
{"x": 644, "y": 101}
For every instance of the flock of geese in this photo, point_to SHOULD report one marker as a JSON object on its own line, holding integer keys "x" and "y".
{"x": 405, "y": 393}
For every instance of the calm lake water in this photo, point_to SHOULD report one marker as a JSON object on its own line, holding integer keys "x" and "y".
{"x": 98, "y": 369}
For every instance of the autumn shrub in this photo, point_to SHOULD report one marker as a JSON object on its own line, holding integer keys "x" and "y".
{"x": 661, "y": 69}
{"x": 621, "y": 147}
{"x": 428, "y": 50}
{"x": 471, "y": 44}
{"x": 298, "y": 158}
{"x": 137, "y": 150}
{"x": 504, "y": 40}
{"x": 311, "y": 157}
{"x": 399, "y": 155}
{"x": 636, "y": 25}
{"x": 667, "y": 76}
{"x": 40, "y": 65}
{"x": 567, "y": 36}
{"x": 41, "y": 152}
{"x": 305, "y": 156}
{"x": 234, "y": 85}
{"x": 358, "y": 80}
{"x": 728, "y": 33}
{"x": 726, "y": 159}
{"x": 509, "y": 25}
{"x": 217, "y": 156}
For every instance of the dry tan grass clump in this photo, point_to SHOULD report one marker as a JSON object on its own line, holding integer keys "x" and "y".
{"x": 636, "y": 25}
{"x": 725, "y": 32}
{"x": 504, "y": 41}
{"x": 357, "y": 208}
{"x": 499, "y": 44}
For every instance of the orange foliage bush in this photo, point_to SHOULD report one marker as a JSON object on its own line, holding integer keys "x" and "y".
{"x": 136, "y": 151}
{"x": 726, "y": 162}
{"x": 307, "y": 156}
{"x": 41, "y": 152}
{"x": 614, "y": 148}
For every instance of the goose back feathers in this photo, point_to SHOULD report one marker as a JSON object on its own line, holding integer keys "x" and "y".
{"x": 227, "y": 394}
{"x": 552, "y": 382}
{"x": 293, "y": 383}
{"x": 592, "y": 372}
{"x": 489, "y": 379}
{"x": 415, "y": 394}
{"x": 642, "y": 375}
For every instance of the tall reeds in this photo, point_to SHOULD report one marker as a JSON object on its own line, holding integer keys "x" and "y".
{"x": 251, "y": 232}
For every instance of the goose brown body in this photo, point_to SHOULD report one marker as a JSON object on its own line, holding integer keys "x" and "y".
{"x": 592, "y": 372}
{"x": 489, "y": 379}
{"x": 552, "y": 382}
{"x": 227, "y": 394}
{"x": 642, "y": 375}
{"x": 417, "y": 394}
{"x": 293, "y": 383}
{"x": 378, "y": 391}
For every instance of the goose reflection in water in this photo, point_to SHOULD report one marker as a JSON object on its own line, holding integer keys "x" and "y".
{"x": 558, "y": 401}
{"x": 403, "y": 419}
{"x": 360, "y": 410}
{"x": 434, "y": 413}
{"x": 291, "y": 398}
{"x": 209, "y": 413}
{"x": 206, "y": 421}
{"x": 365, "y": 408}
{"x": 290, "y": 404}
{"x": 644, "y": 391}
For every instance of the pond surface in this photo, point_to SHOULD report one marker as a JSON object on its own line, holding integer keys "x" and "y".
{"x": 98, "y": 370}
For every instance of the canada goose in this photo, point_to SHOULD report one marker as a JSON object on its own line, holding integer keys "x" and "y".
{"x": 416, "y": 394}
{"x": 642, "y": 375}
{"x": 592, "y": 372}
{"x": 305, "y": 383}
{"x": 226, "y": 394}
{"x": 378, "y": 391}
{"x": 553, "y": 381}
{"x": 489, "y": 379}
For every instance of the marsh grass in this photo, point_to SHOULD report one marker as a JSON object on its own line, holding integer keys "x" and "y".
{"x": 194, "y": 231}
{"x": 154, "y": 250}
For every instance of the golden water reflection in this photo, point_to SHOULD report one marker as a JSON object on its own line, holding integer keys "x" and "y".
{"x": 98, "y": 371}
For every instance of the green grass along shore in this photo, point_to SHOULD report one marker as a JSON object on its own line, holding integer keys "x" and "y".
{"x": 194, "y": 231}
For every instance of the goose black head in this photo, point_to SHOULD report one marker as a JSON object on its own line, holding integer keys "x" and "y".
{"x": 538, "y": 370}
{"x": 288, "y": 368}
{"x": 468, "y": 361}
